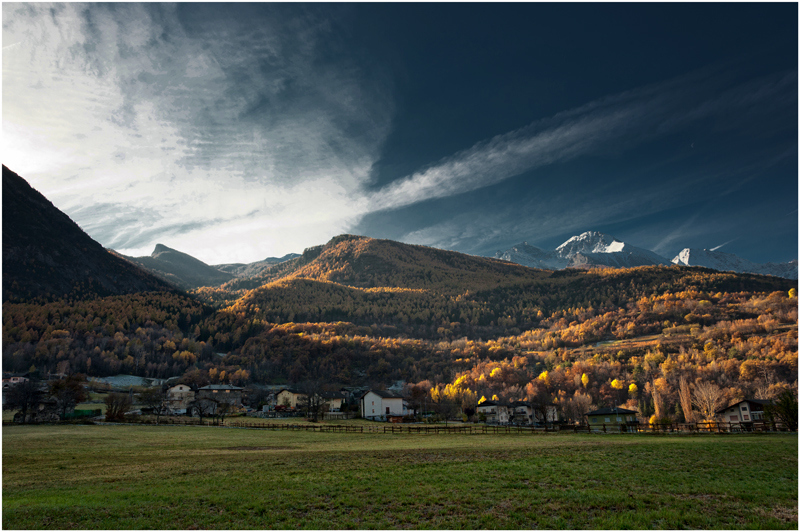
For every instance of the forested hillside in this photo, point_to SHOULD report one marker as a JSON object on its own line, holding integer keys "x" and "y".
{"x": 364, "y": 311}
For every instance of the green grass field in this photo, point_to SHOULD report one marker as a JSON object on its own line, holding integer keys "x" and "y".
{"x": 133, "y": 477}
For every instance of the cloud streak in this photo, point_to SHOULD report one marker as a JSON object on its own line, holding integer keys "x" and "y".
{"x": 614, "y": 123}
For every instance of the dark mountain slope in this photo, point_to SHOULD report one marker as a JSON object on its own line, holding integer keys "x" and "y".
{"x": 181, "y": 269}
{"x": 46, "y": 255}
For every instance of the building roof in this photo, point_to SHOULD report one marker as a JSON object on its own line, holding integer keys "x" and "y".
{"x": 759, "y": 402}
{"x": 332, "y": 395}
{"x": 386, "y": 394}
{"x": 290, "y": 390}
{"x": 615, "y": 410}
{"x": 220, "y": 387}
{"x": 489, "y": 403}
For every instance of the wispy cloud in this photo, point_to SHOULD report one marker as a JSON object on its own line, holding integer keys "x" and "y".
{"x": 725, "y": 244}
{"x": 614, "y": 123}
{"x": 174, "y": 120}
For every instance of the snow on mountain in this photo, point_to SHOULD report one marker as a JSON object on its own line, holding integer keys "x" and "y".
{"x": 586, "y": 250}
{"x": 719, "y": 260}
{"x": 597, "y": 249}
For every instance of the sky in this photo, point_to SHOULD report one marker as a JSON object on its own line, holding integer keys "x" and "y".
{"x": 236, "y": 132}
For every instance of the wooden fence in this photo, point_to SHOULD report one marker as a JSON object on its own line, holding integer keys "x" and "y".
{"x": 677, "y": 428}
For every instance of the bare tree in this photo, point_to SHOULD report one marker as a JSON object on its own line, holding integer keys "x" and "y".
{"x": 764, "y": 388}
{"x": 658, "y": 403}
{"x": 685, "y": 397}
{"x": 203, "y": 407}
{"x": 68, "y": 392}
{"x": 117, "y": 405}
{"x": 24, "y": 396}
{"x": 155, "y": 399}
{"x": 581, "y": 404}
{"x": 707, "y": 398}
{"x": 313, "y": 403}
{"x": 222, "y": 409}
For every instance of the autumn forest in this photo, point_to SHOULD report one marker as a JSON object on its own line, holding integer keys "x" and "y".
{"x": 360, "y": 311}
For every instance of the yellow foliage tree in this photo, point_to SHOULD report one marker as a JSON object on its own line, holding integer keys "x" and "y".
{"x": 793, "y": 292}
{"x": 617, "y": 384}
{"x": 482, "y": 399}
{"x": 632, "y": 389}
{"x": 585, "y": 380}
{"x": 545, "y": 377}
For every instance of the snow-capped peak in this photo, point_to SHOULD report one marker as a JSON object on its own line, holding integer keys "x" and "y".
{"x": 590, "y": 242}
{"x": 719, "y": 260}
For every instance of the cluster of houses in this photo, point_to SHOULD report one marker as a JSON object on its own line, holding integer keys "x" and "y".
{"x": 385, "y": 405}
{"x": 183, "y": 399}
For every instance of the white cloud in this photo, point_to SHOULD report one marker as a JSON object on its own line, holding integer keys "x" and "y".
{"x": 145, "y": 139}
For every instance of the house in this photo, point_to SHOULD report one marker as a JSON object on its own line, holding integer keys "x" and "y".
{"x": 547, "y": 413}
{"x": 334, "y": 400}
{"x": 290, "y": 398}
{"x": 520, "y": 412}
{"x": 10, "y": 379}
{"x": 616, "y": 418}
{"x": 745, "y": 411}
{"x": 221, "y": 393}
{"x": 179, "y": 397}
{"x": 380, "y": 404}
{"x": 494, "y": 412}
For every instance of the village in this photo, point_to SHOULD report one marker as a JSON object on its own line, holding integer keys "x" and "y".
{"x": 50, "y": 401}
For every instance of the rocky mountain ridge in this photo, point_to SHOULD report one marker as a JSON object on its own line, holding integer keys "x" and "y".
{"x": 46, "y": 255}
{"x": 719, "y": 260}
{"x": 589, "y": 249}
{"x": 597, "y": 250}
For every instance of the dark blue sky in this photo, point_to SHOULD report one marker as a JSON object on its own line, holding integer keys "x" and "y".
{"x": 234, "y": 132}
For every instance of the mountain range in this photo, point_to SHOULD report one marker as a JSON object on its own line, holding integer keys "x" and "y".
{"x": 592, "y": 250}
{"x": 718, "y": 260}
{"x": 356, "y": 309}
{"x": 45, "y": 254}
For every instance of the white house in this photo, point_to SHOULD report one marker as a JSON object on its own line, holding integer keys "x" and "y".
{"x": 178, "y": 398}
{"x": 378, "y": 404}
{"x": 745, "y": 411}
{"x": 494, "y": 412}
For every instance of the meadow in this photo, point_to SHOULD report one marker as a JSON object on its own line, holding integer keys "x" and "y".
{"x": 134, "y": 477}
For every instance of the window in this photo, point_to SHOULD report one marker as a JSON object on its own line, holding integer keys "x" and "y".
{"x": 227, "y": 391}
{"x": 744, "y": 408}
{"x": 595, "y": 420}
{"x": 619, "y": 418}
{"x": 608, "y": 420}
{"x": 215, "y": 391}
{"x": 387, "y": 409}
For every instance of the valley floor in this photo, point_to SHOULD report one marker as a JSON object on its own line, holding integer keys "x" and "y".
{"x": 129, "y": 477}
